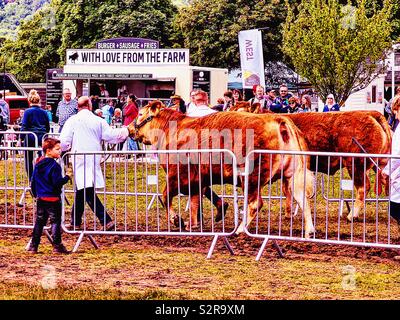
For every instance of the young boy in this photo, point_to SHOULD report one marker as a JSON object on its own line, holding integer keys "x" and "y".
{"x": 46, "y": 185}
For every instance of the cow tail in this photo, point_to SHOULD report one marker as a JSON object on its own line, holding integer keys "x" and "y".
{"x": 385, "y": 127}
{"x": 293, "y": 141}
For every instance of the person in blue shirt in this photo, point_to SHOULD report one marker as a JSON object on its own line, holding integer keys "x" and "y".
{"x": 35, "y": 120}
{"x": 49, "y": 113}
{"x": 46, "y": 185}
{"x": 281, "y": 103}
{"x": 330, "y": 104}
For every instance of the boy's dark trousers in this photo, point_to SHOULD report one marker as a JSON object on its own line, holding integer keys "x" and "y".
{"x": 45, "y": 210}
{"x": 94, "y": 203}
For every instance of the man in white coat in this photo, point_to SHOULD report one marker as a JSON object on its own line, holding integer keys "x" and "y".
{"x": 392, "y": 169}
{"x": 84, "y": 132}
{"x": 201, "y": 108}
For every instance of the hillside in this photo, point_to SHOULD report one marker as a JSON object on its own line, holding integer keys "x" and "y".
{"x": 12, "y": 12}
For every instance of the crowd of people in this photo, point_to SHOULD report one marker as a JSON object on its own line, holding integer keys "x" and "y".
{"x": 269, "y": 100}
{"x": 84, "y": 125}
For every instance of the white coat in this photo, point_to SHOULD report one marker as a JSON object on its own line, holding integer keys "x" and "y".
{"x": 394, "y": 166}
{"x": 85, "y": 131}
{"x": 199, "y": 111}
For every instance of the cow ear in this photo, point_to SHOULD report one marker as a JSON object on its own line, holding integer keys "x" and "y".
{"x": 155, "y": 108}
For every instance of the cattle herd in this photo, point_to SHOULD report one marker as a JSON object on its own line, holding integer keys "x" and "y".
{"x": 345, "y": 132}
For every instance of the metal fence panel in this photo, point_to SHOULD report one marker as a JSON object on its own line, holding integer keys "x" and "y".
{"x": 349, "y": 185}
{"x": 140, "y": 185}
{"x": 17, "y": 209}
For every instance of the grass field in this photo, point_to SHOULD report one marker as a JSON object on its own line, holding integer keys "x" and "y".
{"x": 144, "y": 268}
{"x": 170, "y": 267}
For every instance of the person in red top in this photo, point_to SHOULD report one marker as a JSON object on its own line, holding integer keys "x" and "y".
{"x": 130, "y": 112}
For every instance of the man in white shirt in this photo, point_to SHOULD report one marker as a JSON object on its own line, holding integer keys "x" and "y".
{"x": 201, "y": 107}
{"x": 191, "y": 105}
{"x": 393, "y": 167}
{"x": 84, "y": 132}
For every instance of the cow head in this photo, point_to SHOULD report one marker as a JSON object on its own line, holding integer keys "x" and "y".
{"x": 140, "y": 127}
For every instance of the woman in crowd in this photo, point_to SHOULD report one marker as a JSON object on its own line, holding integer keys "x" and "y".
{"x": 178, "y": 104}
{"x": 108, "y": 110}
{"x": 228, "y": 97}
{"x": 236, "y": 96}
{"x": 306, "y": 103}
{"x": 130, "y": 112}
{"x": 35, "y": 119}
{"x": 330, "y": 104}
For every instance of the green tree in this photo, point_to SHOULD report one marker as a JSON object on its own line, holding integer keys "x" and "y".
{"x": 12, "y": 13}
{"x": 41, "y": 44}
{"x": 339, "y": 49}
{"x": 209, "y": 28}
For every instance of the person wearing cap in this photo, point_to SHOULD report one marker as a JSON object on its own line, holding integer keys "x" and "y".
{"x": 177, "y": 103}
{"x": 330, "y": 104}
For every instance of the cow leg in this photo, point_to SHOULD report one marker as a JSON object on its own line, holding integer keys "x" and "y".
{"x": 194, "y": 209}
{"x": 287, "y": 191}
{"x": 255, "y": 204}
{"x": 360, "y": 191}
{"x": 174, "y": 218}
{"x": 217, "y": 202}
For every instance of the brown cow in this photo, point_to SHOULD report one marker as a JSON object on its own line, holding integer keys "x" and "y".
{"x": 245, "y": 106}
{"x": 267, "y": 132}
{"x": 334, "y": 132}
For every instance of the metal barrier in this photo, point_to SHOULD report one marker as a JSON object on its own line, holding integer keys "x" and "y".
{"x": 14, "y": 185}
{"x": 12, "y": 138}
{"x": 55, "y": 135}
{"x": 137, "y": 189}
{"x": 372, "y": 228}
{"x": 132, "y": 192}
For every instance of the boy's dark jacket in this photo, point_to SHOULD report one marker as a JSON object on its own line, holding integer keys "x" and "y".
{"x": 47, "y": 180}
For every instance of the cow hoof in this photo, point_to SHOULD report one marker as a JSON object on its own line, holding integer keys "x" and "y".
{"x": 179, "y": 222}
{"x": 239, "y": 230}
{"x": 351, "y": 218}
{"x": 308, "y": 232}
{"x": 221, "y": 212}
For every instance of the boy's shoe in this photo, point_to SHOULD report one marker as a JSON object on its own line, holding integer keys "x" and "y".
{"x": 60, "y": 248}
{"x": 32, "y": 249}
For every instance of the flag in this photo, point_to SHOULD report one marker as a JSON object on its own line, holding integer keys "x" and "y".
{"x": 251, "y": 58}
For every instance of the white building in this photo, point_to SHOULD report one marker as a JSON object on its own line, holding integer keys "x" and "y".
{"x": 373, "y": 97}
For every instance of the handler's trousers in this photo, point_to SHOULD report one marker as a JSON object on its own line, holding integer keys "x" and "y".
{"x": 94, "y": 203}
